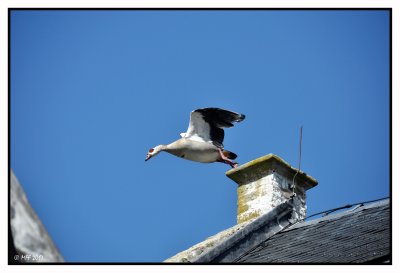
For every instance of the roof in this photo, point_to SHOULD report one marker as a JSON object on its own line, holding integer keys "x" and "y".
{"x": 358, "y": 235}
{"x": 32, "y": 243}
{"x": 235, "y": 241}
{"x": 190, "y": 254}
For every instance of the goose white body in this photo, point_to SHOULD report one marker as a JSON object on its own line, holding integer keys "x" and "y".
{"x": 193, "y": 150}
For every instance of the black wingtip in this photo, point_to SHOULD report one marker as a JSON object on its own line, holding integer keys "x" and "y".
{"x": 241, "y": 117}
{"x": 221, "y": 117}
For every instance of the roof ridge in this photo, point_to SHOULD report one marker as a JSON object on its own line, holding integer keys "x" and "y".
{"x": 234, "y": 246}
{"x": 338, "y": 215}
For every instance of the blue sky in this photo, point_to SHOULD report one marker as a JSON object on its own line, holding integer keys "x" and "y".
{"x": 92, "y": 91}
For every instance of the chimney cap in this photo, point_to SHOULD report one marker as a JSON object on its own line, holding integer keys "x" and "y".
{"x": 262, "y": 166}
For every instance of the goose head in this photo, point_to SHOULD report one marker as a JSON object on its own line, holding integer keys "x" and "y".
{"x": 154, "y": 151}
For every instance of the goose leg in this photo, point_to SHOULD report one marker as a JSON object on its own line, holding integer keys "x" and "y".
{"x": 226, "y": 160}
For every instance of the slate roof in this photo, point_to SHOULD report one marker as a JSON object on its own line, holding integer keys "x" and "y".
{"x": 359, "y": 235}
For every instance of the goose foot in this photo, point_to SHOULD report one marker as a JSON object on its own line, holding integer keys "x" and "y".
{"x": 226, "y": 160}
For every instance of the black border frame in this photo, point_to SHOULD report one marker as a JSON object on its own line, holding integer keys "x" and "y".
{"x": 11, "y": 247}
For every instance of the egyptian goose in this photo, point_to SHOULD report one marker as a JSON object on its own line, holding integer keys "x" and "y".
{"x": 202, "y": 141}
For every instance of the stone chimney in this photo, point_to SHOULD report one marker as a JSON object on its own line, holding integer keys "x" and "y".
{"x": 267, "y": 182}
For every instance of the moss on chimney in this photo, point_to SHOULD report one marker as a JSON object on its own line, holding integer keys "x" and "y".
{"x": 266, "y": 182}
{"x": 257, "y": 168}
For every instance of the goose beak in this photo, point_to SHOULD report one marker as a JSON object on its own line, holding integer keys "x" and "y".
{"x": 148, "y": 157}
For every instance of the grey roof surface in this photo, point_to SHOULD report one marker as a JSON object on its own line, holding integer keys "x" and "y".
{"x": 355, "y": 236}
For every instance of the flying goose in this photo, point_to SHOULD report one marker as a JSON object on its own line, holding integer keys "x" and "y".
{"x": 202, "y": 141}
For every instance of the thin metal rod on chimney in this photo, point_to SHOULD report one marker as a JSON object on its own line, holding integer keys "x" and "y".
{"x": 298, "y": 169}
{"x": 301, "y": 138}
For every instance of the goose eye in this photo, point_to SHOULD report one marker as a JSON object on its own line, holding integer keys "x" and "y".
{"x": 151, "y": 150}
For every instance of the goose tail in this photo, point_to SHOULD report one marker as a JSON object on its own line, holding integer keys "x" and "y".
{"x": 229, "y": 154}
